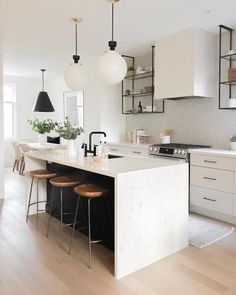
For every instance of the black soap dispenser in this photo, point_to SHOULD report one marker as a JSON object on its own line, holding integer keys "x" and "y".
{"x": 140, "y": 108}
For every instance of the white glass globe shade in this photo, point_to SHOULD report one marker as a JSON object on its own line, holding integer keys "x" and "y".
{"x": 75, "y": 76}
{"x": 112, "y": 67}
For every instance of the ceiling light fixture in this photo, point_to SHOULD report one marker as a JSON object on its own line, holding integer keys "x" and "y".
{"x": 112, "y": 67}
{"x": 43, "y": 102}
{"x": 75, "y": 75}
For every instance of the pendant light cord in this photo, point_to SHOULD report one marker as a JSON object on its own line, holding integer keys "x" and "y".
{"x": 76, "y": 57}
{"x": 76, "y": 39}
{"x": 112, "y": 44}
{"x": 112, "y": 21}
{"x": 43, "y": 70}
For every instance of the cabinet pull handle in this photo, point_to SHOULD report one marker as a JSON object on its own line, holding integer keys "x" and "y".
{"x": 115, "y": 150}
{"x": 208, "y": 161}
{"x": 209, "y": 178}
{"x": 208, "y": 199}
{"x": 135, "y": 152}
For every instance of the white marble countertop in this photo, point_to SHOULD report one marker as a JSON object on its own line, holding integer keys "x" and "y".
{"x": 108, "y": 167}
{"x": 214, "y": 152}
{"x": 45, "y": 146}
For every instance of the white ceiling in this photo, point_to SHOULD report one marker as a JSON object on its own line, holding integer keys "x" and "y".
{"x": 39, "y": 34}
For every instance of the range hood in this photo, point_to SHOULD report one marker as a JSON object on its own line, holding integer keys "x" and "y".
{"x": 185, "y": 65}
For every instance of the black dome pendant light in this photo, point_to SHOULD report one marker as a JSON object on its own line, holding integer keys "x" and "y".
{"x": 43, "y": 102}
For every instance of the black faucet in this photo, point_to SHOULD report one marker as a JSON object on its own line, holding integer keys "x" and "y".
{"x": 89, "y": 150}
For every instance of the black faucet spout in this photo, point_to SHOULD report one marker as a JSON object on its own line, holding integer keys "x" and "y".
{"x": 90, "y": 137}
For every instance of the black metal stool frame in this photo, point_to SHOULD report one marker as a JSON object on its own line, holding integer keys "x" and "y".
{"x": 62, "y": 225}
{"x": 90, "y": 241}
{"x": 34, "y": 203}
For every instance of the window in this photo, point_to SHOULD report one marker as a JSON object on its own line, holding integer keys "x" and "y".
{"x": 73, "y": 107}
{"x": 9, "y": 101}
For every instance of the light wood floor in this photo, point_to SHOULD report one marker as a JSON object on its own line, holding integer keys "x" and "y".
{"x": 31, "y": 264}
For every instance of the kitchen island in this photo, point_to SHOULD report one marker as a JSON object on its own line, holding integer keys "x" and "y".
{"x": 150, "y": 204}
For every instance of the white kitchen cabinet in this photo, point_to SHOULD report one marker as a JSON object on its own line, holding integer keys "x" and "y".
{"x": 129, "y": 149}
{"x": 212, "y": 161}
{"x": 213, "y": 185}
{"x": 220, "y": 180}
{"x": 185, "y": 65}
{"x": 212, "y": 200}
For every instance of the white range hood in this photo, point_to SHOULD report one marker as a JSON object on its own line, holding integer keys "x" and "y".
{"x": 185, "y": 65}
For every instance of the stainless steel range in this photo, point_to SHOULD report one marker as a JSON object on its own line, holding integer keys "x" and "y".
{"x": 173, "y": 150}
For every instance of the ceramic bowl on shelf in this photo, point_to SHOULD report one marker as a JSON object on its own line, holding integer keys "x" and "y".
{"x": 148, "y": 69}
{"x": 142, "y": 72}
{"x": 230, "y": 52}
{"x": 149, "y": 88}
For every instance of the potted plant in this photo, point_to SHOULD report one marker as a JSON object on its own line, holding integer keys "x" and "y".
{"x": 233, "y": 143}
{"x": 69, "y": 132}
{"x": 42, "y": 127}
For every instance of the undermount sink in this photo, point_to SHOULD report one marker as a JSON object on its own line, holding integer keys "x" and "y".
{"x": 113, "y": 156}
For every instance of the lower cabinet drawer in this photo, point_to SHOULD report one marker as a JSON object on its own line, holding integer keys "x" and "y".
{"x": 211, "y": 199}
{"x": 211, "y": 161}
{"x": 117, "y": 149}
{"x": 212, "y": 178}
{"x": 128, "y": 150}
{"x": 138, "y": 151}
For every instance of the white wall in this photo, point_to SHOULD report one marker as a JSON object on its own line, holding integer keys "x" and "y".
{"x": 1, "y": 130}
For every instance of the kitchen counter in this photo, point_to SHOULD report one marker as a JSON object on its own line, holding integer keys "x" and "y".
{"x": 108, "y": 167}
{"x": 214, "y": 152}
{"x": 150, "y": 203}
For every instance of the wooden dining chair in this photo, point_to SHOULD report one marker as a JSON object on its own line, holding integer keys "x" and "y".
{"x": 24, "y": 149}
{"x": 18, "y": 156}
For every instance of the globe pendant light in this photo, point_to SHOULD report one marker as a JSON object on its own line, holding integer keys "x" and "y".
{"x": 75, "y": 76}
{"x": 112, "y": 67}
{"x": 43, "y": 102}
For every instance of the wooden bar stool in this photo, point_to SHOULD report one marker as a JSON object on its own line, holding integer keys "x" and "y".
{"x": 89, "y": 191}
{"x": 41, "y": 174}
{"x": 61, "y": 182}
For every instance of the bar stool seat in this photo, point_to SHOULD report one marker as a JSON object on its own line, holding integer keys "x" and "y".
{"x": 65, "y": 181}
{"x": 41, "y": 174}
{"x": 88, "y": 191}
{"x": 61, "y": 182}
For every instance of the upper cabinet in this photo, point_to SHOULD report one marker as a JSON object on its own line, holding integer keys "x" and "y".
{"x": 185, "y": 65}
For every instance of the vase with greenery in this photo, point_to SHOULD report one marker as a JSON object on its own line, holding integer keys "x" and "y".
{"x": 42, "y": 127}
{"x": 70, "y": 132}
{"x": 233, "y": 143}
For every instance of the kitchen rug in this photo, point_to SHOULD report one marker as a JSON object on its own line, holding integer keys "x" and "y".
{"x": 204, "y": 231}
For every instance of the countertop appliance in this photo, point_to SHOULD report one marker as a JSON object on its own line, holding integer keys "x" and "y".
{"x": 173, "y": 150}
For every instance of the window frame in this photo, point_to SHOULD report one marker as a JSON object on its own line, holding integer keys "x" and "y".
{"x": 13, "y": 103}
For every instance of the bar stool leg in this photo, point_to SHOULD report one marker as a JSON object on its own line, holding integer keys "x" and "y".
{"x": 61, "y": 201}
{"x": 37, "y": 216}
{"x": 89, "y": 228}
{"x": 75, "y": 219}
{"x": 50, "y": 210}
{"x": 31, "y": 187}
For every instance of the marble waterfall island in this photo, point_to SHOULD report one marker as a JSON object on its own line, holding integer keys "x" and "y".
{"x": 150, "y": 195}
